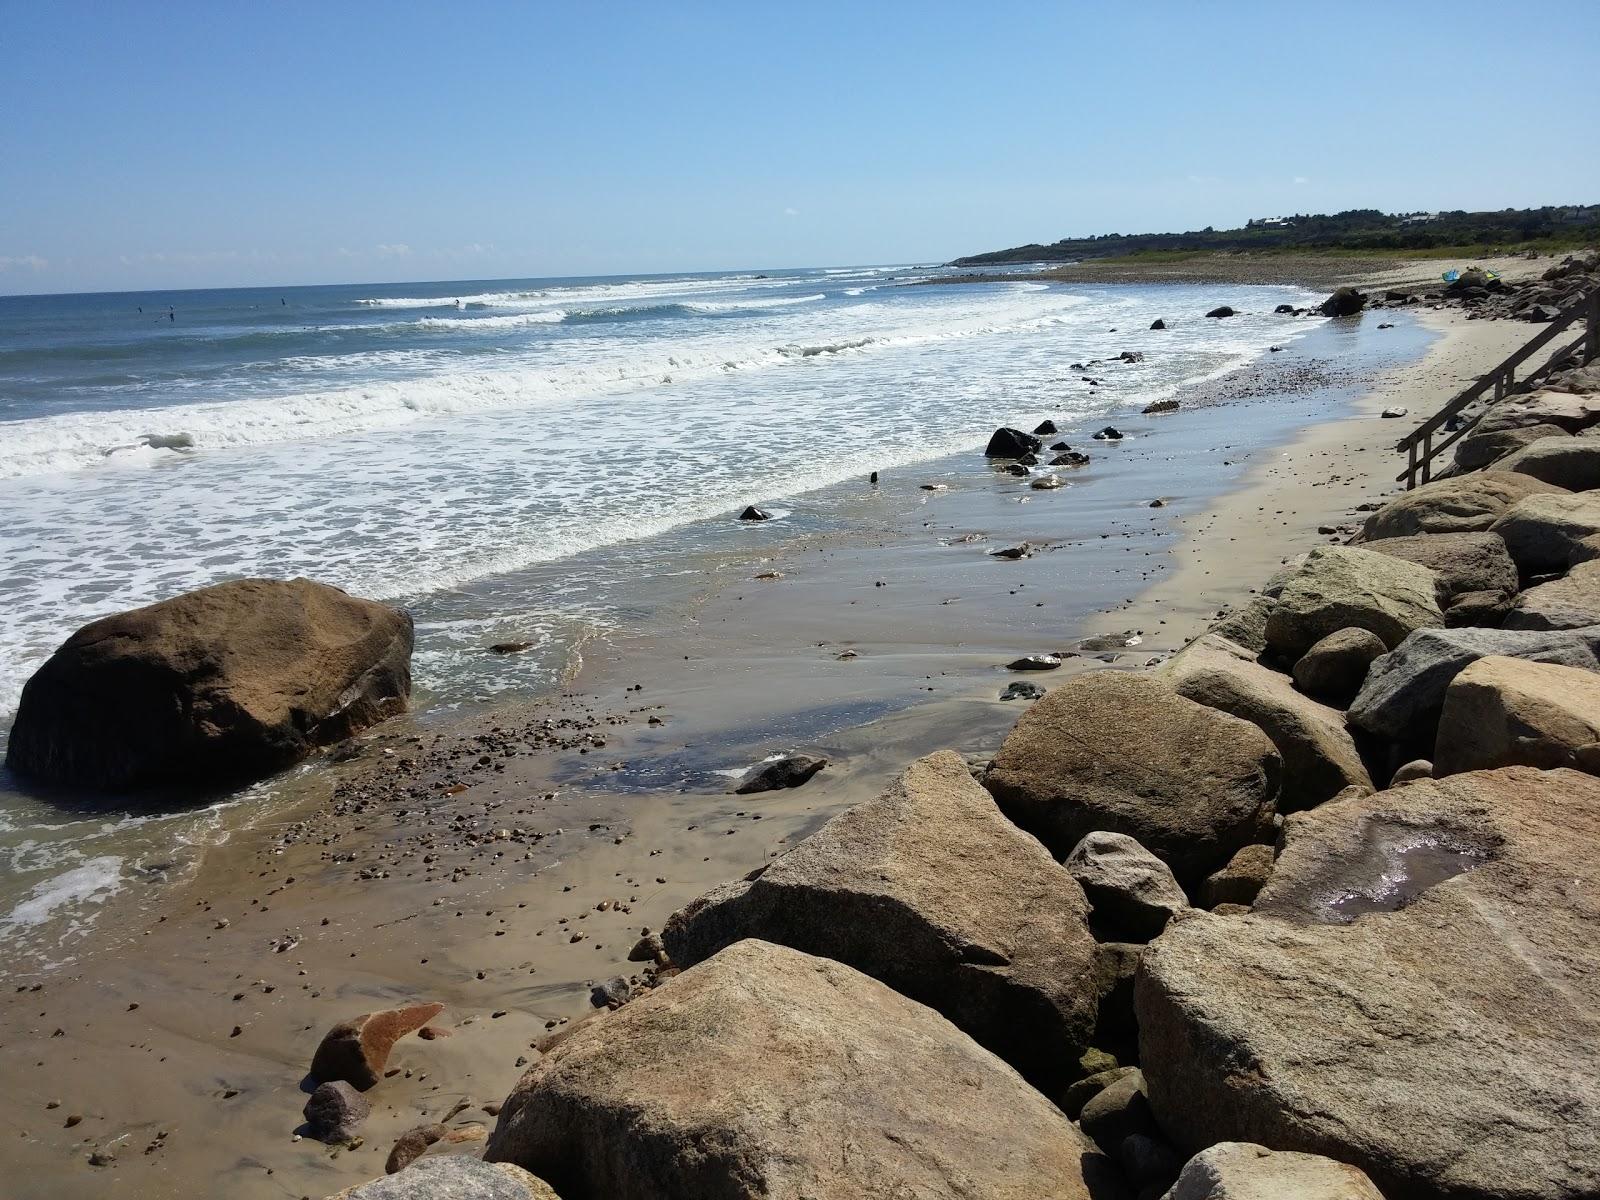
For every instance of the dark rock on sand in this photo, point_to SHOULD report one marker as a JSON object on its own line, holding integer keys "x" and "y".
{"x": 1284, "y": 308}
{"x": 1132, "y": 892}
{"x": 1465, "y": 504}
{"x": 454, "y": 1177}
{"x": 747, "y": 1076}
{"x": 1070, "y": 458}
{"x": 1011, "y": 443}
{"x": 931, "y": 890}
{"x": 1126, "y": 753}
{"x": 1160, "y": 406}
{"x": 225, "y": 683}
{"x": 1334, "y": 669}
{"x": 790, "y": 771}
{"x": 1035, "y": 662}
{"x": 412, "y": 1145}
{"x": 1405, "y": 689}
{"x": 1502, "y": 712}
{"x": 1246, "y": 1171}
{"x": 357, "y": 1050}
{"x": 752, "y": 513}
{"x": 1412, "y": 994}
{"x": 1476, "y": 579}
{"x": 1220, "y": 311}
{"x": 1345, "y": 302}
{"x": 1021, "y": 690}
{"x": 335, "y": 1111}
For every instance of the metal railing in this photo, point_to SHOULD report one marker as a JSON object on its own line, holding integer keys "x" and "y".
{"x": 1418, "y": 445}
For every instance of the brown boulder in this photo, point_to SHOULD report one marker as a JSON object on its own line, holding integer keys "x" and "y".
{"x": 453, "y": 1177}
{"x": 1464, "y": 504}
{"x": 767, "y": 1073}
{"x": 1503, "y": 712}
{"x": 226, "y": 683}
{"x": 1482, "y": 447}
{"x": 356, "y": 1050}
{"x": 931, "y": 890}
{"x": 1571, "y": 602}
{"x": 1411, "y": 995}
{"x": 1543, "y": 531}
{"x": 1569, "y": 462}
{"x": 1243, "y": 1171}
{"x": 1242, "y": 879}
{"x": 1334, "y": 668}
{"x": 1476, "y": 577}
{"x": 1126, "y": 753}
{"x": 1348, "y": 587}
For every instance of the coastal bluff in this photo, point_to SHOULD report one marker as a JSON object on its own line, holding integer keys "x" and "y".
{"x": 221, "y": 685}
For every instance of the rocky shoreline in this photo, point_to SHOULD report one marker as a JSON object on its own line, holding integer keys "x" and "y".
{"x": 1040, "y": 970}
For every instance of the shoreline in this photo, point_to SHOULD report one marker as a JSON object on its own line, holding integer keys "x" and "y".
{"x": 561, "y": 831}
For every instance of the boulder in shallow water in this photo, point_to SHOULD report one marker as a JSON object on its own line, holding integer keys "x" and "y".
{"x": 1245, "y": 1171}
{"x": 787, "y": 771}
{"x": 1502, "y": 712}
{"x": 767, "y": 1073}
{"x": 1122, "y": 752}
{"x": 1011, "y": 443}
{"x": 1344, "y": 302}
{"x": 930, "y": 889}
{"x": 752, "y": 513}
{"x": 1222, "y": 310}
{"x": 227, "y": 683}
{"x": 1412, "y": 993}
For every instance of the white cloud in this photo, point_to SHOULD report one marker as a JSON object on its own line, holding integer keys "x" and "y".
{"x": 1301, "y": 179}
{"x": 791, "y": 212}
{"x": 393, "y": 250}
{"x": 17, "y": 262}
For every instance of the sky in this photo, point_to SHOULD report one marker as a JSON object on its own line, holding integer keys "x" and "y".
{"x": 174, "y": 144}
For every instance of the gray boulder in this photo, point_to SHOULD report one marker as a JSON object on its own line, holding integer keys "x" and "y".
{"x": 1569, "y": 462}
{"x": 1126, "y": 753}
{"x": 453, "y": 1177}
{"x": 1542, "y": 531}
{"x": 1464, "y": 504}
{"x": 1405, "y": 688}
{"x": 1245, "y": 1171}
{"x": 1319, "y": 757}
{"x": 335, "y": 1111}
{"x": 1334, "y": 669}
{"x": 1477, "y": 580}
{"x": 767, "y": 1073}
{"x": 1503, "y": 712}
{"x": 1246, "y": 625}
{"x": 1412, "y": 994}
{"x": 1571, "y": 602}
{"x": 1132, "y": 892}
{"x": 1343, "y": 587}
{"x": 930, "y": 889}
{"x": 1482, "y": 447}
{"x": 789, "y": 771}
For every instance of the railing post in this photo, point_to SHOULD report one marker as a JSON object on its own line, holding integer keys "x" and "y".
{"x": 1427, "y": 457}
{"x": 1411, "y": 466}
{"x": 1591, "y": 335}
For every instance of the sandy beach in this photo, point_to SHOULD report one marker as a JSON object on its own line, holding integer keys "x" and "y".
{"x": 505, "y": 863}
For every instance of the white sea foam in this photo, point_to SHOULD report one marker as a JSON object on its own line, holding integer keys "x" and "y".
{"x": 92, "y": 882}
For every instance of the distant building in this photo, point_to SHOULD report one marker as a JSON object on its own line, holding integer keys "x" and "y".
{"x": 1268, "y": 223}
{"x": 1418, "y": 218}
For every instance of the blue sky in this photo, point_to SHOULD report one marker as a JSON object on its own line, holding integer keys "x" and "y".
{"x": 171, "y": 144}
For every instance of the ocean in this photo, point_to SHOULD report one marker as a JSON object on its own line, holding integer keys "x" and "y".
{"x": 530, "y": 461}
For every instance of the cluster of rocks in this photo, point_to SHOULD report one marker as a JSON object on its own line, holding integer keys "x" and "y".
{"x": 1305, "y": 910}
{"x": 1489, "y": 296}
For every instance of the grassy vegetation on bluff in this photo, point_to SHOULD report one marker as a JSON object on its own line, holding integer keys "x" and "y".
{"x": 1357, "y": 231}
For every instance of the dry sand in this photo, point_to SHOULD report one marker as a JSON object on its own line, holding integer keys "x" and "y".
{"x": 504, "y": 864}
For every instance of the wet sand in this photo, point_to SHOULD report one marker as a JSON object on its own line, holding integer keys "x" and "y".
{"x": 505, "y": 863}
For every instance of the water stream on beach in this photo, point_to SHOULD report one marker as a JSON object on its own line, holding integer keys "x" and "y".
{"x": 515, "y": 461}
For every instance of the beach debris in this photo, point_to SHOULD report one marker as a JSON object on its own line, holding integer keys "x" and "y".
{"x": 335, "y": 1111}
{"x": 168, "y": 441}
{"x": 1021, "y": 689}
{"x": 1222, "y": 310}
{"x": 787, "y": 771}
{"x": 1344, "y": 302}
{"x": 1158, "y": 502}
{"x": 1160, "y": 406}
{"x": 934, "y": 487}
{"x": 1006, "y": 442}
{"x": 1158, "y": 323}
{"x": 1045, "y": 428}
{"x": 1013, "y": 552}
{"x": 411, "y": 1145}
{"x": 1109, "y": 434}
{"x": 1035, "y": 662}
{"x": 752, "y": 513}
{"x": 1394, "y": 411}
{"x": 358, "y": 1049}
{"x": 1046, "y": 483}
{"x": 228, "y": 682}
{"x": 510, "y": 647}
{"x": 1385, "y": 324}
{"x": 847, "y": 655}
{"x": 1017, "y": 469}
{"x": 769, "y": 576}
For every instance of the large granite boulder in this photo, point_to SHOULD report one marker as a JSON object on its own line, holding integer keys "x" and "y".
{"x": 1319, "y": 758}
{"x": 1464, "y": 504}
{"x": 219, "y": 685}
{"x": 1123, "y": 752}
{"x": 931, "y": 890}
{"x": 767, "y": 1073}
{"x": 1412, "y": 995}
{"x": 454, "y": 1177}
{"x": 1569, "y": 462}
{"x": 1571, "y": 411}
{"x": 1334, "y": 669}
{"x": 1542, "y": 531}
{"x": 1405, "y": 688}
{"x": 1343, "y": 587}
{"x": 1576, "y": 379}
{"x": 1477, "y": 580}
{"x": 1481, "y": 447}
{"x": 1503, "y": 712}
{"x": 1571, "y": 602}
{"x": 1245, "y": 1171}
{"x": 1132, "y": 892}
